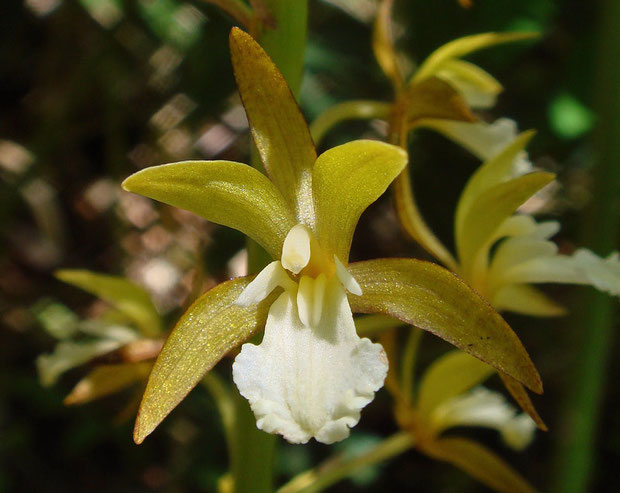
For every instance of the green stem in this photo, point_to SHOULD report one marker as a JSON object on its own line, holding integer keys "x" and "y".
{"x": 253, "y": 450}
{"x": 336, "y": 469}
{"x": 577, "y": 444}
{"x": 349, "y": 110}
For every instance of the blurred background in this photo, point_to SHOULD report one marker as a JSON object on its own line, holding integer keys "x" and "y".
{"x": 93, "y": 90}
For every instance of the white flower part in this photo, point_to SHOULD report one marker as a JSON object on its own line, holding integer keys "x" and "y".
{"x": 264, "y": 283}
{"x": 310, "y": 298}
{"x": 347, "y": 280}
{"x": 306, "y": 381}
{"x": 486, "y": 140}
{"x": 70, "y": 354}
{"x": 482, "y": 407}
{"x": 518, "y": 433}
{"x": 296, "y": 249}
{"x": 603, "y": 274}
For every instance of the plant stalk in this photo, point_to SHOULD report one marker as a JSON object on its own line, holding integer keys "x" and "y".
{"x": 252, "y": 450}
{"x": 576, "y": 447}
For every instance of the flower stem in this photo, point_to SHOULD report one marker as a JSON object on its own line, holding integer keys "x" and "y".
{"x": 407, "y": 210}
{"x": 336, "y": 469}
{"x": 594, "y": 322}
{"x": 253, "y": 450}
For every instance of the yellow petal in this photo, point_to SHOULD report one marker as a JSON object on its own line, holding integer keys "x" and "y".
{"x": 225, "y": 192}
{"x": 131, "y": 300}
{"x": 346, "y": 180}
{"x": 480, "y": 463}
{"x": 278, "y": 127}
{"x": 491, "y": 173}
{"x": 434, "y": 299}
{"x": 464, "y": 46}
{"x": 479, "y": 88}
{"x": 106, "y": 380}
{"x": 212, "y": 326}
{"x": 486, "y": 214}
{"x": 448, "y": 376}
{"x": 526, "y": 300}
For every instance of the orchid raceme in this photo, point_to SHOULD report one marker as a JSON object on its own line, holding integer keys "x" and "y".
{"x": 312, "y": 374}
{"x": 128, "y": 334}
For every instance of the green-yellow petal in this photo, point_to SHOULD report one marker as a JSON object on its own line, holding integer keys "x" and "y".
{"x": 434, "y": 299}
{"x": 526, "y": 300}
{"x": 480, "y": 463}
{"x": 210, "y": 328}
{"x": 346, "y": 180}
{"x": 450, "y": 375}
{"x": 131, "y": 300}
{"x": 225, "y": 192}
{"x": 464, "y": 46}
{"x": 278, "y": 127}
{"x": 491, "y": 208}
{"x": 108, "y": 379}
{"x": 490, "y": 173}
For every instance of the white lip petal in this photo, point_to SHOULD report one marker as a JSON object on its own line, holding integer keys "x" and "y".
{"x": 296, "y": 249}
{"x": 483, "y": 407}
{"x": 264, "y": 283}
{"x": 347, "y": 280}
{"x": 310, "y": 381}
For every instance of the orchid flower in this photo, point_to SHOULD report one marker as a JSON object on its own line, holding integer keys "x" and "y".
{"x": 450, "y": 395}
{"x": 131, "y": 328}
{"x": 312, "y": 374}
{"x": 524, "y": 254}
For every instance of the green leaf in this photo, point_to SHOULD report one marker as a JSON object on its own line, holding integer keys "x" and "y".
{"x": 225, "y": 192}
{"x": 450, "y": 375}
{"x": 278, "y": 127}
{"x": 106, "y": 380}
{"x": 131, "y": 300}
{"x": 490, "y": 210}
{"x": 464, "y": 46}
{"x": 434, "y": 299}
{"x": 480, "y": 463}
{"x": 346, "y": 180}
{"x": 210, "y": 328}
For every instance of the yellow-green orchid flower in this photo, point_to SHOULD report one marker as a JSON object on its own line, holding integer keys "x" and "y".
{"x": 524, "y": 256}
{"x": 449, "y": 395}
{"x": 131, "y": 328}
{"x": 312, "y": 374}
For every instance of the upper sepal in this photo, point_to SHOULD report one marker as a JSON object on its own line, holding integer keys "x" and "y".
{"x": 278, "y": 127}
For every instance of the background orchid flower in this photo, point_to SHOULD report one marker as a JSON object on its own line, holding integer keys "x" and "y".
{"x": 126, "y": 337}
{"x": 311, "y": 374}
{"x": 449, "y": 395}
{"x": 524, "y": 254}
